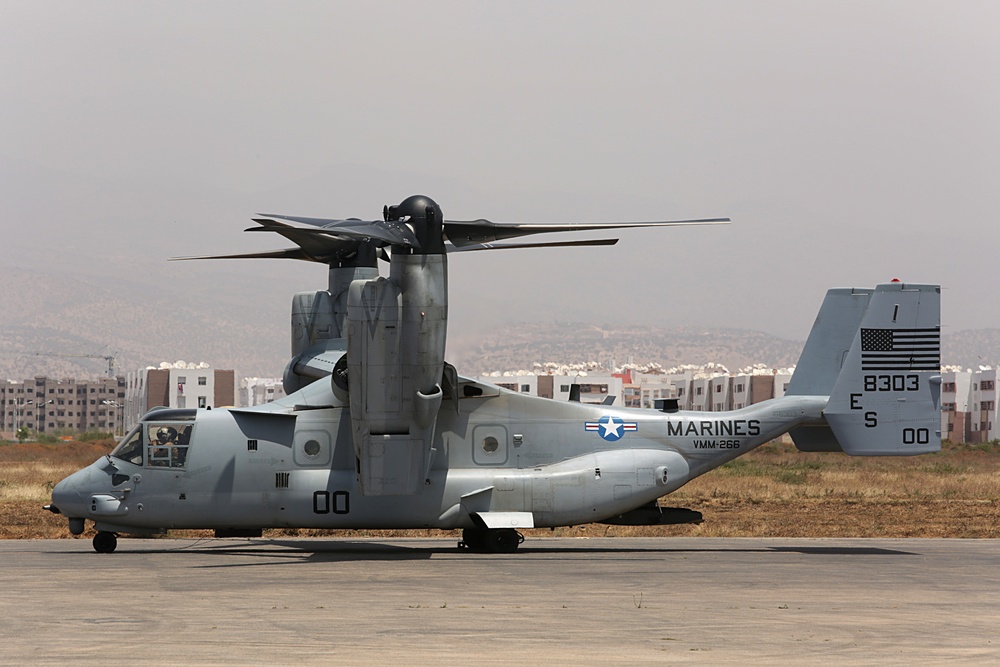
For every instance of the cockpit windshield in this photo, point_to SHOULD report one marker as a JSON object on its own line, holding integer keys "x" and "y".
{"x": 160, "y": 444}
{"x": 130, "y": 448}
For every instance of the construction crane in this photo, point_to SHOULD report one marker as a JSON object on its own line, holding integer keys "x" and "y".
{"x": 110, "y": 358}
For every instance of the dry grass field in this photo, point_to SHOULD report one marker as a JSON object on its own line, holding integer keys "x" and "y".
{"x": 774, "y": 491}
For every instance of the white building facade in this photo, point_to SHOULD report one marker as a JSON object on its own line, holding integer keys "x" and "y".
{"x": 707, "y": 388}
{"x": 969, "y": 405}
{"x": 257, "y": 391}
{"x": 177, "y": 385}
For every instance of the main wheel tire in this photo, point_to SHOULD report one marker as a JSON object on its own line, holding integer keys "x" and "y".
{"x": 474, "y": 539}
{"x": 105, "y": 542}
{"x": 504, "y": 540}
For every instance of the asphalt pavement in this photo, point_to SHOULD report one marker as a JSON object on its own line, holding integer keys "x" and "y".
{"x": 559, "y": 601}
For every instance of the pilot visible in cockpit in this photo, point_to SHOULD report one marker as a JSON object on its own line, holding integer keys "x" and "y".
{"x": 166, "y": 435}
{"x": 165, "y": 438}
{"x": 179, "y": 450}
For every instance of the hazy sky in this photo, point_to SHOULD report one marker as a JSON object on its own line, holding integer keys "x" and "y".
{"x": 851, "y": 142}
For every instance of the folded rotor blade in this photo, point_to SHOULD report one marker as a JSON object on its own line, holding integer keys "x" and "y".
{"x": 471, "y": 232}
{"x": 391, "y": 232}
{"x": 290, "y": 253}
{"x": 552, "y": 244}
{"x": 315, "y": 222}
{"x": 358, "y": 242}
{"x": 316, "y": 247}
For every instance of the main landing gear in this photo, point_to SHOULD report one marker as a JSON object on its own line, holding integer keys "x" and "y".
{"x": 105, "y": 542}
{"x": 491, "y": 540}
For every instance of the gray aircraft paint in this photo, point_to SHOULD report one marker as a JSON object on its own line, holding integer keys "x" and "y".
{"x": 404, "y": 442}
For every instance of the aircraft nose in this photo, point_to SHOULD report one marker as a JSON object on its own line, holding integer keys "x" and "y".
{"x": 66, "y": 495}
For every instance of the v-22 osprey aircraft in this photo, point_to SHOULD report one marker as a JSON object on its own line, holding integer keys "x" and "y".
{"x": 379, "y": 431}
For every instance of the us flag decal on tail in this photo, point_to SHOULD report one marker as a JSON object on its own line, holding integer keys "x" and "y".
{"x": 901, "y": 349}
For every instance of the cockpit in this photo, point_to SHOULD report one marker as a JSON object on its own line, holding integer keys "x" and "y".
{"x": 161, "y": 440}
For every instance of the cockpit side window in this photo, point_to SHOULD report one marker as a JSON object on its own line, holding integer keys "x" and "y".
{"x": 167, "y": 444}
{"x": 130, "y": 448}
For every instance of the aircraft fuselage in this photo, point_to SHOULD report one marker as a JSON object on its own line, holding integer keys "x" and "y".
{"x": 498, "y": 453}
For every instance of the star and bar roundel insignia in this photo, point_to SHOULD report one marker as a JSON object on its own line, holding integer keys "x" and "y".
{"x": 611, "y": 428}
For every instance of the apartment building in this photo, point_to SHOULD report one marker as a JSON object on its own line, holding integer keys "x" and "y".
{"x": 983, "y": 396}
{"x": 48, "y": 405}
{"x": 257, "y": 391}
{"x": 177, "y": 385}
{"x": 593, "y": 388}
{"x": 707, "y": 389}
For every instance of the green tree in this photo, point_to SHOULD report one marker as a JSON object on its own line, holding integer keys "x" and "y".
{"x": 22, "y": 433}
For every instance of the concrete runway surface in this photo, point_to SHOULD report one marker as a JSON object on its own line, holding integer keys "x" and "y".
{"x": 556, "y": 601}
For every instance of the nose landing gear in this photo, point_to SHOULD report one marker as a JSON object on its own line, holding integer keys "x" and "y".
{"x": 105, "y": 542}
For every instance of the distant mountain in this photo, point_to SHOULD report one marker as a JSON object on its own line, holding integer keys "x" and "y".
{"x": 55, "y": 314}
{"x": 144, "y": 334}
{"x": 48, "y": 315}
{"x": 84, "y": 271}
{"x": 971, "y": 348}
{"x": 519, "y": 346}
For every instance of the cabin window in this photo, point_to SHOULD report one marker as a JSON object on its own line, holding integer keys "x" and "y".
{"x": 490, "y": 448}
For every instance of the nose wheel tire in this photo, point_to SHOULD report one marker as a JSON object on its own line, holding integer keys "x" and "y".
{"x": 105, "y": 542}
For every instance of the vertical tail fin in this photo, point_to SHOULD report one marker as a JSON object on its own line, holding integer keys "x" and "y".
{"x": 886, "y": 399}
{"x": 829, "y": 342}
{"x": 823, "y": 357}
